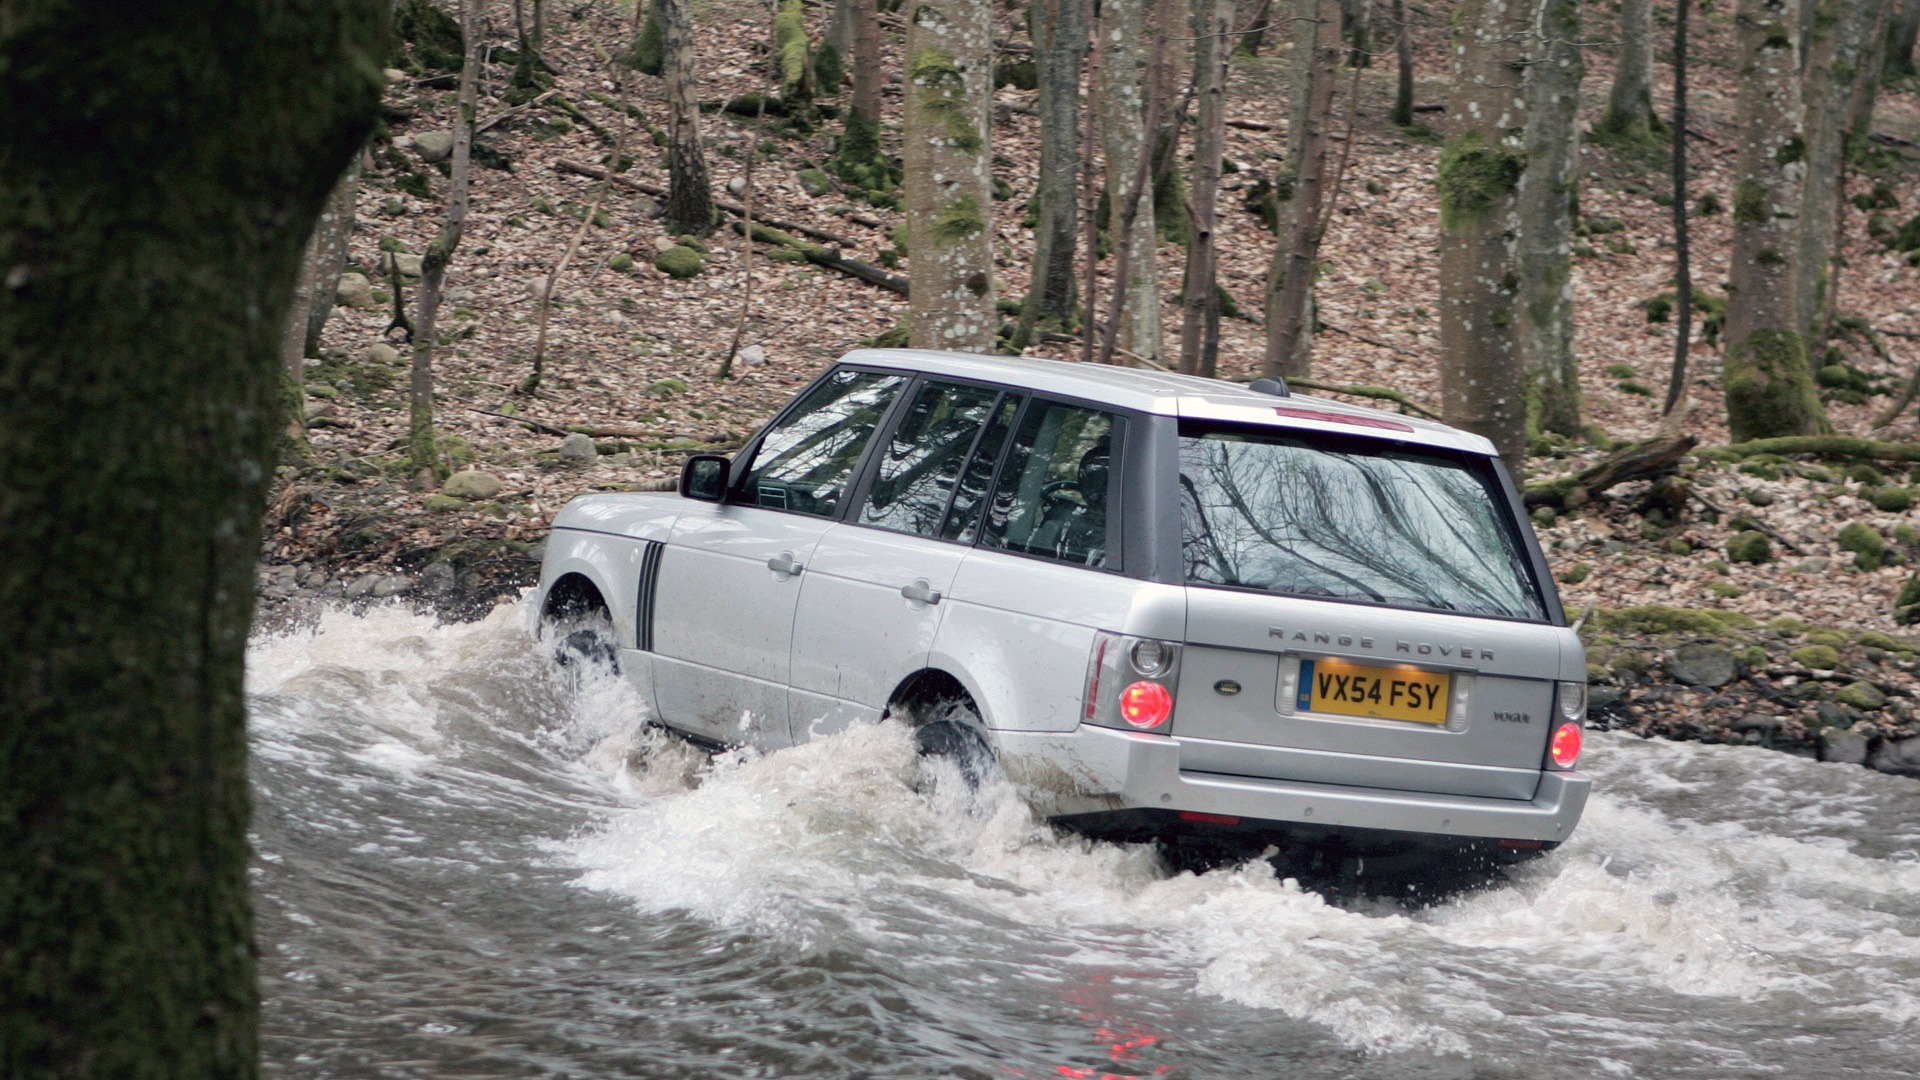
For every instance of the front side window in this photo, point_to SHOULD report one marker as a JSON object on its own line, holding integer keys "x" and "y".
{"x": 1053, "y": 495}
{"x": 1351, "y": 520}
{"x": 922, "y": 463}
{"x": 806, "y": 461}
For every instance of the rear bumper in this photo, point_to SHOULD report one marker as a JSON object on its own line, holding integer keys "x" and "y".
{"x": 1095, "y": 770}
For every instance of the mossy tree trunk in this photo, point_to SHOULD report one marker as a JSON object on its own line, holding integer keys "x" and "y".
{"x": 1482, "y": 381}
{"x": 949, "y": 193}
{"x": 1682, "y": 233}
{"x": 423, "y": 442}
{"x": 1844, "y": 34}
{"x": 1548, "y": 193}
{"x": 1768, "y": 382}
{"x": 689, "y": 192}
{"x": 1121, "y": 95}
{"x": 1630, "y": 102}
{"x": 1356, "y": 26}
{"x": 163, "y": 166}
{"x": 1200, "y": 321}
{"x": 1317, "y": 60}
{"x": 793, "y": 54}
{"x": 1060, "y": 52}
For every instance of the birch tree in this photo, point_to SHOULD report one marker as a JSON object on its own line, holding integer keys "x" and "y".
{"x": 1482, "y": 385}
{"x": 1629, "y": 112}
{"x": 1768, "y": 382}
{"x": 1318, "y": 64}
{"x": 1547, "y": 194}
{"x": 1844, "y": 39}
{"x": 149, "y": 237}
{"x": 423, "y": 443}
{"x": 1121, "y": 97}
{"x": 1060, "y": 51}
{"x": 1200, "y": 322}
{"x": 949, "y": 193}
{"x": 689, "y": 191}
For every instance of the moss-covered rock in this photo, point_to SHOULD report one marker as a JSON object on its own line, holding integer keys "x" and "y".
{"x": 1893, "y": 500}
{"x": 1832, "y": 638}
{"x": 1661, "y": 619}
{"x": 621, "y": 263}
{"x": 1818, "y": 657}
{"x": 440, "y": 504}
{"x": 1862, "y": 695}
{"x": 1868, "y": 546}
{"x": 679, "y": 261}
{"x": 1749, "y": 546}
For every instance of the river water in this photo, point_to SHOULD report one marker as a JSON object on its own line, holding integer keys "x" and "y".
{"x": 468, "y": 868}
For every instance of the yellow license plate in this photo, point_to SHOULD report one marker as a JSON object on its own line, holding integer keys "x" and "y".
{"x": 1389, "y": 693}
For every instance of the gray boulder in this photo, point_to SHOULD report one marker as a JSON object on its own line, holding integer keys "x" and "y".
{"x": 1901, "y": 758}
{"x": 433, "y": 145}
{"x": 381, "y": 353}
{"x": 1703, "y": 665}
{"x": 353, "y": 290}
{"x": 472, "y": 484}
{"x": 1843, "y": 747}
{"x": 578, "y": 450}
{"x": 409, "y": 266}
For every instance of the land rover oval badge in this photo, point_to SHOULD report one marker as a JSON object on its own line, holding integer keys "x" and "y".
{"x": 1226, "y": 687}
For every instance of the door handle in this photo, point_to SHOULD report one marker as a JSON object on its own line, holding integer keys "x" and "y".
{"x": 784, "y": 563}
{"x": 922, "y": 592}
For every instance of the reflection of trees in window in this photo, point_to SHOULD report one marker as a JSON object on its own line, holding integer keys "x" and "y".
{"x": 925, "y": 456}
{"x": 1393, "y": 527}
{"x": 965, "y": 513}
{"x": 804, "y": 463}
{"x": 1041, "y": 505}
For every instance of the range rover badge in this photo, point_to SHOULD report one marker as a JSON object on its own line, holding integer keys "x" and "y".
{"x": 1226, "y": 687}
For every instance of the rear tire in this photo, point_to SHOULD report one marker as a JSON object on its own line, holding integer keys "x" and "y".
{"x": 584, "y": 643}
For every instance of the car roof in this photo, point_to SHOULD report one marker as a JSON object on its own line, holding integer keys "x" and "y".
{"x": 1167, "y": 393}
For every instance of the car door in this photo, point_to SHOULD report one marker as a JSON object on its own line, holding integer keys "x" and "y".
{"x": 872, "y": 600}
{"x": 731, "y": 575}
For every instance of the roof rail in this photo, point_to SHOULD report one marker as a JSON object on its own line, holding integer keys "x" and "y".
{"x": 1275, "y": 386}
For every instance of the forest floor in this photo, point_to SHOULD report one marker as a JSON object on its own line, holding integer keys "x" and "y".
{"x": 636, "y": 352}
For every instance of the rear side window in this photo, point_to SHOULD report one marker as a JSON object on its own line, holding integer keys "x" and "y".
{"x": 1350, "y": 519}
{"x": 806, "y": 461}
{"x": 1052, "y": 498}
{"x": 923, "y": 460}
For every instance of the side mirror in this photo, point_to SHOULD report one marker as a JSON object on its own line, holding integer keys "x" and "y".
{"x": 704, "y": 477}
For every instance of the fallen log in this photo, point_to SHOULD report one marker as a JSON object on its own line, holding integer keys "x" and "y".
{"x": 1648, "y": 460}
{"x": 1843, "y": 446}
{"x": 829, "y": 257}
{"x": 596, "y": 173}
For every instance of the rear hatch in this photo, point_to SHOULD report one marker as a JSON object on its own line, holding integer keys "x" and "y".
{"x": 1359, "y": 612}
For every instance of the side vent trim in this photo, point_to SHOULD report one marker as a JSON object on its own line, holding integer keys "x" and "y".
{"x": 649, "y": 582}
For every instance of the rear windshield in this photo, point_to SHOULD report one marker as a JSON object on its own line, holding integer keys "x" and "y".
{"x": 1350, "y": 519}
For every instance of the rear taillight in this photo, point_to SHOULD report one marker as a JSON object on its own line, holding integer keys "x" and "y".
{"x": 1564, "y": 748}
{"x": 1145, "y": 704}
{"x": 1570, "y": 715}
{"x": 1130, "y": 681}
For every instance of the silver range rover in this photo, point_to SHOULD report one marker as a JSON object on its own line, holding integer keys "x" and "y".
{"x": 1218, "y": 616}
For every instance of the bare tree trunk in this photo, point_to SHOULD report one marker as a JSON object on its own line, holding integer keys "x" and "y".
{"x": 1768, "y": 383}
{"x": 1305, "y": 35}
{"x": 1902, "y": 32}
{"x": 140, "y": 324}
{"x": 1200, "y": 325}
{"x": 1320, "y": 67}
{"x": 949, "y": 193}
{"x": 1837, "y": 55}
{"x": 1682, "y": 250}
{"x": 1482, "y": 382}
{"x": 333, "y": 233}
{"x": 1547, "y": 191}
{"x": 423, "y": 443}
{"x": 1630, "y": 104}
{"x": 1403, "y": 55}
{"x": 1356, "y": 25}
{"x": 689, "y": 193}
{"x": 858, "y": 160}
{"x": 293, "y": 351}
{"x": 1060, "y": 49}
{"x": 1123, "y": 100}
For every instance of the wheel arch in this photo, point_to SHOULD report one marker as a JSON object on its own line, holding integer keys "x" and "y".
{"x": 931, "y": 686}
